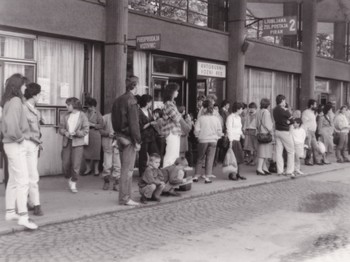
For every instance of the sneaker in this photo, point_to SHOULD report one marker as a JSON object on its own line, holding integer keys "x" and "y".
{"x": 292, "y": 176}
{"x": 38, "y": 211}
{"x": 11, "y": 216}
{"x": 131, "y": 203}
{"x": 72, "y": 186}
{"x": 211, "y": 176}
{"x": 24, "y": 221}
{"x": 298, "y": 172}
{"x": 207, "y": 181}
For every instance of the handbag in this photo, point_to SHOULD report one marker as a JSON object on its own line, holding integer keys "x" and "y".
{"x": 264, "y": 138}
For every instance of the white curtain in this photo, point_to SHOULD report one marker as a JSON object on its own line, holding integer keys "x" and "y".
{"x": 260, "y": 86}
{"x": 139, "y": 68}
{"x": 60, "y": 69}
{"x": 284, "y": 86}
{"x": 14, "y": 47}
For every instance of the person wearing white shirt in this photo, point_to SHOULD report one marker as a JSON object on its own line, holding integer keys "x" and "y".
{"x": 234, "y": 133}
{"x": 309, "y": 124}
{"x": 341, "y": 127}
{"x": 299, "y": 135}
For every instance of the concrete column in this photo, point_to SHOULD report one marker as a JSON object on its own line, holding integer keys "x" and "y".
{"x": 236, "y": 28}
{"x": 115, "y": 50}
{"x": 309, "y": 31}
{"x": 339, "y": 40}
{"x": 290, "y": 9}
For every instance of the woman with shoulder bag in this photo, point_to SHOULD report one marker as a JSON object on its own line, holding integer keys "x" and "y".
{"x": 264, "y": 130}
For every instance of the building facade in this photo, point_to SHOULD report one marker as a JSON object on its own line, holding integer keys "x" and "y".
{"x": 88, "y": 47}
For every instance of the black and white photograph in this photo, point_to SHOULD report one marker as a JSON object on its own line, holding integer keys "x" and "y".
{"x": 175, "y": 130}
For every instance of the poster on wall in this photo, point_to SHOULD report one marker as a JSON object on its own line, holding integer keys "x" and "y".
{"x": 45, "y": 90}
{"x": 64, "y": 90}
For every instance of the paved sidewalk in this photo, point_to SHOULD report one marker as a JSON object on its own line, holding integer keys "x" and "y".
{"x": 60, "y": 205}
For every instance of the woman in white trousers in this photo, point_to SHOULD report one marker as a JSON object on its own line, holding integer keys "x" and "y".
{"x": 15, "y": 130}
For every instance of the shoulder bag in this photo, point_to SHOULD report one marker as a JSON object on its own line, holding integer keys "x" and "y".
{"x": 263, "y": 138}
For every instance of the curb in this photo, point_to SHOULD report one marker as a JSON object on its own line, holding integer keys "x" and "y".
{"x": 172, "y": 200}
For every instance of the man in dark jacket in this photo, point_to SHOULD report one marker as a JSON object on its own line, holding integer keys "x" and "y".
{"x": 283, "y": 119}
{"x": 125, "y": 121}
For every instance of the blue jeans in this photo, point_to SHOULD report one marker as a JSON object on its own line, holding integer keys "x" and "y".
{"x": 205, "y": 151}
{"x": 127, "y": 158}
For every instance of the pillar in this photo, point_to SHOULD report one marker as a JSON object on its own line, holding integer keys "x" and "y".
{"x": 291, "y": 9}
{"x": 115, "y": 51}
{"x": 339, "y": 40}
{"x": 309, "y": 32}
{"x": 235, "y": 70}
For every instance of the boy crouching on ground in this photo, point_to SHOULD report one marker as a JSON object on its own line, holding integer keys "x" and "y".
{"x": 151, "y": 184}
{"x": 111, "y": 158}
{"x": 174, "y": 176}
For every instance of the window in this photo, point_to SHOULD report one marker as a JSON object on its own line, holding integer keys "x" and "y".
{"x": 206, "y": 13}
{"x": 60, "y": 70}
{"x": 168, "y": 65}
{"x": 16, "y": 47}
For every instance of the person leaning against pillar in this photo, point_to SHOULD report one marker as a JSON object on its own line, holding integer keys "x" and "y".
{"x": 125, "y": 121}
{"x": 309, "y": 124}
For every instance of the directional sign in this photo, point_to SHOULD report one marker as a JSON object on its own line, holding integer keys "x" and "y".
{"x": 148, "y": 42}
{"x": 279, "y": 26}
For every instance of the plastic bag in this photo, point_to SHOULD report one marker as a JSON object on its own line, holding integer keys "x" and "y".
{"x": 230, "y": 163}
{"x": 321, "y": 148}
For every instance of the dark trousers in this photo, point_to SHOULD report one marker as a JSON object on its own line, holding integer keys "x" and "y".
{"x": 72, "y": 158}
{"x": 146, "y": 148}
{"x": 161, "y": 144}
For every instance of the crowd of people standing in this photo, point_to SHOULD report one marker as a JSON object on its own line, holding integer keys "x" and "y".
{"x": 162, "y": 140}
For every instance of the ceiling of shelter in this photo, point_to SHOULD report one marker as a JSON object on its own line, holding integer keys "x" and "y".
{"x": 328, "y": 10}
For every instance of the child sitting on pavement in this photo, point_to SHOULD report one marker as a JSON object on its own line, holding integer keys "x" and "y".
{"x": 111, "y": 157}
{"x": 151, "y": 183}
{"x": 173, "y": 176}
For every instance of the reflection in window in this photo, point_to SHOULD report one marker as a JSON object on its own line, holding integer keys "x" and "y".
{"x": 206, "y": 13}
{"x": 168, "y": 65}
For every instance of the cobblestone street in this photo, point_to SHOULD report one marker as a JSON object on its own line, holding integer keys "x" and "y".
{"x": 298, "y": 220}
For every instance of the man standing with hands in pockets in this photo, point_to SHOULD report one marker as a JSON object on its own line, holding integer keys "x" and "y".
{"x": 125, "y": 121}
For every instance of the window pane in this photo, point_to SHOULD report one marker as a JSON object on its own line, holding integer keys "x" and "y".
{"x": 146, "y": 6}
{"x": 60, "y": 70}
{"x": 16, "y": 47}
{"x": 173, "y": 13}
{"x": 182, "y": 4}
{"x": 168, "y": 65}
{"x": 198, "y": 7}
{"x": 197, "y": 19}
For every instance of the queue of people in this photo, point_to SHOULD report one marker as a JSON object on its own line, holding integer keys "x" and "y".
{"x": 161, "y": 139}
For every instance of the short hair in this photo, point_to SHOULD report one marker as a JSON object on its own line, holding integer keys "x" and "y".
{"x": 89, "y": 101}
{"x": 75, "y": 102}
{"x": 342, "y": 107}
{"x": 310, "y": 102}
{"x": 158, "y": 111}
{"x": 181, "y": 109}
{"x": 224, "y": 103}
{"x": 201, "y": 98}
{"x": 279, "y": 99}
{"x": 181, "y": 161}
{"x": 212, "y": 97}
{"x": 236, "y": 106}
{"x": 208, "y": 106}
{"x": 144, "y": 100}
{"x": 244, "y": 105}
{"x": 264, "y": 103}
{"x": 298, "y": 120}
{"x": 32, "y": 89}
{"x": 131, "y": 82}
{"x": 138, "y": 98}
{"x": 169, "y": 91}
{"x": 154, "y": 156}
{"x": 252, "y": 105}
{"x": 327, "y": 108}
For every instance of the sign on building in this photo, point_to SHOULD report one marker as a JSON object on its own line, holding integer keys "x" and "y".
{"x": 279, "y": 26}
{"x": 148, "y": 42}
{"x": 211, "y": 70}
